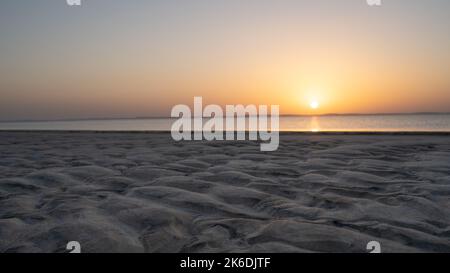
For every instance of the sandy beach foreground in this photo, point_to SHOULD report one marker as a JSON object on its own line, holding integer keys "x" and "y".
{"x": 143, "y": 192}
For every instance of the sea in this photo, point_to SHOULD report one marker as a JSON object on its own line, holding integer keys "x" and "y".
{"x": 326, "y": 123}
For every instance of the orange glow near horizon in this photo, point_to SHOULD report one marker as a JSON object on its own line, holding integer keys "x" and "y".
{"x": 346, "y": 57}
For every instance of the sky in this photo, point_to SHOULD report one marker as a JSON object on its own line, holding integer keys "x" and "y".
{"x": 135, "y": 58}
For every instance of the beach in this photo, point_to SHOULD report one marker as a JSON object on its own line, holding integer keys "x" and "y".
{"x": 144, "y": 192}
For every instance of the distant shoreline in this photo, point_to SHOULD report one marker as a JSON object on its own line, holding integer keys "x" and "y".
{"x": 331, "y": 133}
{"x": 165, "y": 117}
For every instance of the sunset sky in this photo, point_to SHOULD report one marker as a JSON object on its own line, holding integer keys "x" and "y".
{"x": 116, "y": 58}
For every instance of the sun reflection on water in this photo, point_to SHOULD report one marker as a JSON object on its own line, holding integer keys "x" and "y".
{"x": 314, "y": 125}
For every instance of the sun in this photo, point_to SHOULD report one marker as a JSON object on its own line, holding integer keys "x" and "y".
{"x": 314, "y": 104}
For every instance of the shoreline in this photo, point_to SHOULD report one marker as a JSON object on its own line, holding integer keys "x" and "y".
{"x": 281, "y": 116}
{"x": 400, "y": 133}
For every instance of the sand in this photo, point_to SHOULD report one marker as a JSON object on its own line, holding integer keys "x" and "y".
{"x": 143, "y": 192}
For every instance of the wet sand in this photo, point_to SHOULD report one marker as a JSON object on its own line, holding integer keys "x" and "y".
{"x": 143, "y": 192}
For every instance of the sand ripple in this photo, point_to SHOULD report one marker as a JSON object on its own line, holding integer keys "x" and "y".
{"x": 125, "y": 192}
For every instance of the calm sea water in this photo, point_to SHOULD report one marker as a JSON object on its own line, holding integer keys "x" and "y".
{"x": 373, "y": 123}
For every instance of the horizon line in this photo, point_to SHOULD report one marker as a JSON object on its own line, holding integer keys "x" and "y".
{"x": 168, "y": 117}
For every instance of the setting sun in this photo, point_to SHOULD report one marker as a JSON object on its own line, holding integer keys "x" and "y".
{"x": 314, "y": 104}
